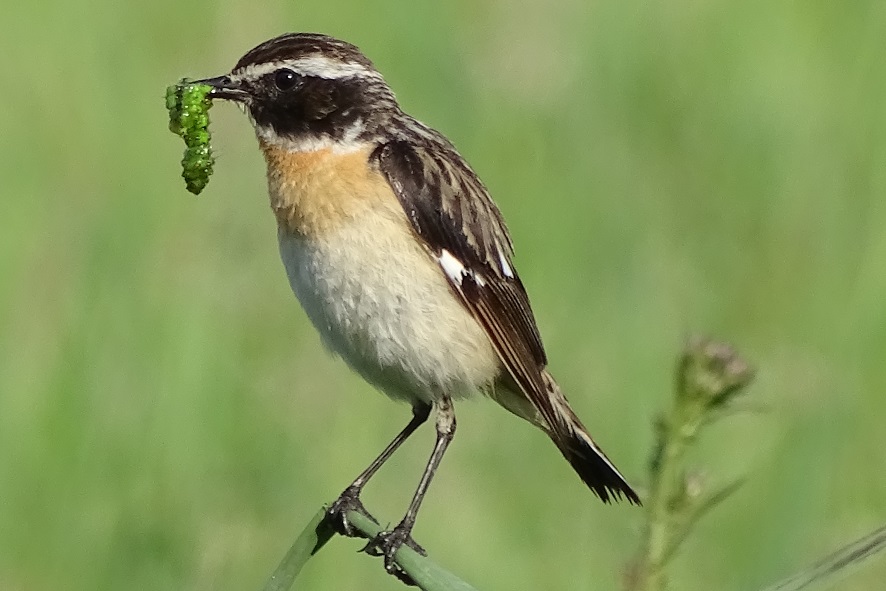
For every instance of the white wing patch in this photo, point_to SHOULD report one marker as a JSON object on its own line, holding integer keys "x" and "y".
{"x": 505, "y": 267}
{"x": 456, "y": 271}
{"x": 453, "y": 267}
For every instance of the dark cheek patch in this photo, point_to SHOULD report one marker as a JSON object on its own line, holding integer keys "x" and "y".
{"x": 317, "y": 107}
{"x": 319, "y": 101}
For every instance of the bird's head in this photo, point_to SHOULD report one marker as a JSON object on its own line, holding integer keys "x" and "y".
{"x": 306, "y": 91}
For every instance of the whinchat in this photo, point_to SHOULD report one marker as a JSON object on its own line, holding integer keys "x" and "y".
{"x": 398, "y": 255}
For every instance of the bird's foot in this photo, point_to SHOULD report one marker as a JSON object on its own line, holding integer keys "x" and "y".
{"x": 348, "y": 501}
{"x": 387, "y": 543}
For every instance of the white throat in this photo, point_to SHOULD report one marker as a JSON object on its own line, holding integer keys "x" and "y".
{"x": 349, "y": 141}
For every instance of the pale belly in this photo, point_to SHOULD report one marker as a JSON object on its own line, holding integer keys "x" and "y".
{"x": 382, "y": 303}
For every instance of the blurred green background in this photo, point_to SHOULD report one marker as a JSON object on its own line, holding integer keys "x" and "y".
{"x": 169, "y": 420}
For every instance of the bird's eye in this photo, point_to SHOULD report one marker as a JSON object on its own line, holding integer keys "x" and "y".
{"x": 285, "y": 79}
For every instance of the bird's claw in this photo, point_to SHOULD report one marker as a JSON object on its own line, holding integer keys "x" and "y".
{"x": 387, "y": 543}
{"x": 348, "y": 501}
{"x": 384, "y": 544}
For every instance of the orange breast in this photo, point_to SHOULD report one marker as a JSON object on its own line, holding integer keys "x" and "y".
{"x": 312, "y": 193}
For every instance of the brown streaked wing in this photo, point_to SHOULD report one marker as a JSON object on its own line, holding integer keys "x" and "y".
{"x": 450, "y": 209}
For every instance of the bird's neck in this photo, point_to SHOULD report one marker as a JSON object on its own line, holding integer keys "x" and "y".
{"x": 314, "y": 191}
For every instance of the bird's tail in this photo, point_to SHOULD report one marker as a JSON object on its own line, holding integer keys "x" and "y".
{"x": 585, "y": 457}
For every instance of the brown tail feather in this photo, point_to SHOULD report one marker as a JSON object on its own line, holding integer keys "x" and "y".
{"x": 585, "y": 457}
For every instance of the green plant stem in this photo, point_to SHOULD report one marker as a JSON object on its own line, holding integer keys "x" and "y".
{"x": 829, "y": 568}
{"x": 425, "y": 573}
{"x": 709, "y": 376}
{"x": 665, "y": 486}
{"x": 313, "y": 537}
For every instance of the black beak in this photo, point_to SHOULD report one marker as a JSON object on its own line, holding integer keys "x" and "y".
{"x": 224, "y": 88}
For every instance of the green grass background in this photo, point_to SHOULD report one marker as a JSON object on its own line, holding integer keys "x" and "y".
{"x": 169, "y": 420}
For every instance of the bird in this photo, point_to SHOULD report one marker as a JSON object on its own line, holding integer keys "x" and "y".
{"x": 399, "y": 256}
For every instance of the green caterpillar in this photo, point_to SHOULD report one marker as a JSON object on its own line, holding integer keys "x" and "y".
{"x": 188, "y": 106}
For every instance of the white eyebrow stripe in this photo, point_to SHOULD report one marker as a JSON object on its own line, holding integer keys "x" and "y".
{"x": 315, "y": 65}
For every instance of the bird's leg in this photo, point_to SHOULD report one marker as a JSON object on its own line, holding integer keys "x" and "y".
{"x": 387, "y": 543}
{"x": 349, "y": 500}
